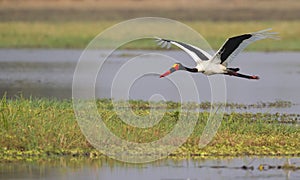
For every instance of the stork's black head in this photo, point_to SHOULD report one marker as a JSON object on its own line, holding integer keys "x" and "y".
{"x": 175, "y": 67}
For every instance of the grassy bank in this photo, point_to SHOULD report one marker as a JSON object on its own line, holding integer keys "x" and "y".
{"x": 35, "y": 128}
{"x": 78, "y": 34}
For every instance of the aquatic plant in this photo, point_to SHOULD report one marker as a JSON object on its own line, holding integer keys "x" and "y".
{"x": 40, "y": 127}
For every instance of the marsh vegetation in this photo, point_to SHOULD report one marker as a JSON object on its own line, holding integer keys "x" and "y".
{"x": 38, "y": 127}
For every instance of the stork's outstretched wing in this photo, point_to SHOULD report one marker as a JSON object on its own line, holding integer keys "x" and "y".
{"x": 234, "y": 45}
{"x": 196, "y": 53}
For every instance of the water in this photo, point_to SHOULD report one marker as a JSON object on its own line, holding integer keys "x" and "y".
{"x": 106, "y": 169}
{"x": 40, "y": 73}
{"x": 49, "y": 73}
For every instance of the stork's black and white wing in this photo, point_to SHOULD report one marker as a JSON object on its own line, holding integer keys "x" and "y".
{"x": 234, "y": 45}
{"x": 196, "y": 53}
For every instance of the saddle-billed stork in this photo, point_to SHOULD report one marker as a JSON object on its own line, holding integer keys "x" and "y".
{"x": 217, "y": 64}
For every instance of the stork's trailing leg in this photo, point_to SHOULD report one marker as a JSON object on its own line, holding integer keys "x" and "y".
{"x": 233, "y": 73}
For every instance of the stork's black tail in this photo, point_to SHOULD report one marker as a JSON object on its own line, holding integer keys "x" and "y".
{"x": 233, "y": 69}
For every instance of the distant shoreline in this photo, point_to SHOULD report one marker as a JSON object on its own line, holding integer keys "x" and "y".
{"x": 91, "y": 10}
{"x": 78, "y": 34}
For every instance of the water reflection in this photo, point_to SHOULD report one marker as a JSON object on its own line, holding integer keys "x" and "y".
{"x": 104, "y": 168}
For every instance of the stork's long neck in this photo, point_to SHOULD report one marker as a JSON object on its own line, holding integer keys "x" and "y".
{"x": 191, "y": 69}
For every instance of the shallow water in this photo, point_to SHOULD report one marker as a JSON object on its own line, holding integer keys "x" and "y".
{"x": 49, "y": 73}
{"x": 233, "y": 168}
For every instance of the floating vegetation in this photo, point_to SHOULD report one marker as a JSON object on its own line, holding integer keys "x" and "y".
{"x": 39, "y": 128}
{"x": 207, "y": 105}
{"x": 275, "y": 104}
{"x": 261, "y": 167}
{"x": 265, "y": 167}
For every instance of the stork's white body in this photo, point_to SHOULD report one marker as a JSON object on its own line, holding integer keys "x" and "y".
{"x": 208, "y": 68}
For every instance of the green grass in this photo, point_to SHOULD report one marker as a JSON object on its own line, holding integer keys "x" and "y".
{"x": 49, "y": 34}
{"x": 79, "y": 34}
{"x": 35, "y": 128}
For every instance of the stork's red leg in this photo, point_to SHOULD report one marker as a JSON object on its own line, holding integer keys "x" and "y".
{"x": 231, "y": 73}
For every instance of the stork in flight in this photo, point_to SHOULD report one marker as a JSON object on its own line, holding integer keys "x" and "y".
{"x": 217, "y": 64}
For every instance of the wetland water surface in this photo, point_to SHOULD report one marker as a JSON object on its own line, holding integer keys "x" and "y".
{"x": 235, "y": 168}
{"x": 49, "y": 73}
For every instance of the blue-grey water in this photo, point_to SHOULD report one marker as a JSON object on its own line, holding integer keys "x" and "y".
{"x": 103, "y": 169}
{"x": 49, "y": 73}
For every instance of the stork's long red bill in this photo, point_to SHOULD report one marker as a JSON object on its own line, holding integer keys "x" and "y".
{"x": 174, "y": 68}
{"x": 165, "y": 74}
